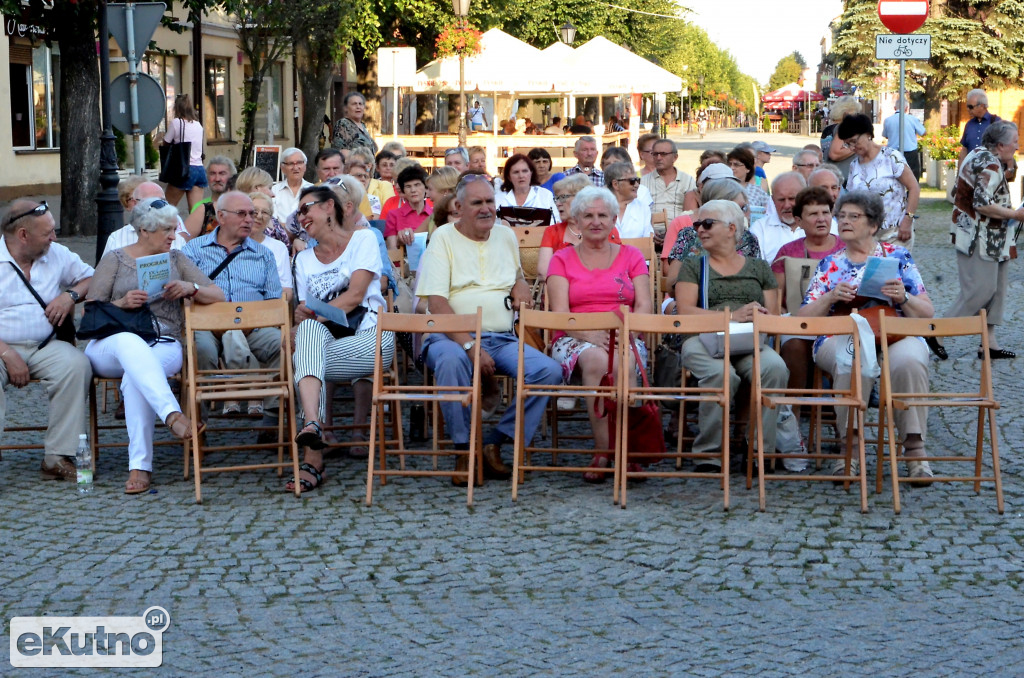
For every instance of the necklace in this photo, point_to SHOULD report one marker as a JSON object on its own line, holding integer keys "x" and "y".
{"x": 579, "y": 236}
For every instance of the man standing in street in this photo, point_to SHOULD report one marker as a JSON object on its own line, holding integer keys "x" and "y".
{"x": 668, "y": 186}
{"x": 40, "y": 283}
{"x": 586, "y": 155}
{"x": 912, "y": 129}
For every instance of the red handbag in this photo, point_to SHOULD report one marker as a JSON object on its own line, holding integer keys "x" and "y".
{"x": 646, "y": 432}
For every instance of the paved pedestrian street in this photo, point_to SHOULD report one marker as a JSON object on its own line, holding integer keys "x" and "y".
{"x": 561, "y": 583}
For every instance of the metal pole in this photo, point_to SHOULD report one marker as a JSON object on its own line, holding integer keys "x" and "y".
{"x": 394, "y": 91}
{"x": 462, "y": 101}
{"x": 133, "y": 87}
{"x": 110, "y": 212}
{"x": 901, "y": 103}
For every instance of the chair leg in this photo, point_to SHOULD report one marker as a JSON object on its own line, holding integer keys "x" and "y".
{"x": 372, "y": 452}
{"x": 996, "y": 473}
{"x": 93, "y": 424}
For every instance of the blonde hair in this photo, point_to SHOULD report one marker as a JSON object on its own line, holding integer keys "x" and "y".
{"x": 256, "y": 195}
{"x": 404, "y": 163}
{"x": 844, "y": 106}
{"x": 251, "y": 178}
{"x": 444, "y": 178}
{"x": 127, "y": 187}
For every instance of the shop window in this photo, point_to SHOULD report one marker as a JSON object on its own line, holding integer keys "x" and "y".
{"x": 35, "y": 96}
{"x": 167, "y": 71}
{"x": 217, "y": 113}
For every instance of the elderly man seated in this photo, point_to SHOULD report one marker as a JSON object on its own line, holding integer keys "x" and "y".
{"x": 472, "y": 264}
{"x": 128, "y": 235}
{"x": 40, "y": 283}
{"x": 246, "y": 271}
{"x": 780, "y": 226}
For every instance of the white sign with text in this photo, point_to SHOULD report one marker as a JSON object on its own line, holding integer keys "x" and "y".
{"x": 912, "y": 46}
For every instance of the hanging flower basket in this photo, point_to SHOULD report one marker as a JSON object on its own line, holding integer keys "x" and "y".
{"x": 456, "y": 40}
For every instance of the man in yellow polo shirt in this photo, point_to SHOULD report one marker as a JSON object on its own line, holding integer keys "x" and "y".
{"x": 472, "y": 264}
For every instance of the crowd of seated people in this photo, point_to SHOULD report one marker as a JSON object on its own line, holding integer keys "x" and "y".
{"x": 730, "y": 239}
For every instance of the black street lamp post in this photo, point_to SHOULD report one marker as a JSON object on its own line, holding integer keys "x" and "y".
{"x": 111, "y": 215}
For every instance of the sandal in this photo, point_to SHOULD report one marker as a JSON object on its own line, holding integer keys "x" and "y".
{"x": 138, "y": 486}
{"x": 998, "y": 354}
{"x": 595, "y": 477}
{"x": 636, "y": 468}
{"x": 180, "y": 425}
{"x": 359, "y": 451}
{"x": 64, "y": 469}
{"x": 314, "y": 438}
{"x": 306, "y": 485}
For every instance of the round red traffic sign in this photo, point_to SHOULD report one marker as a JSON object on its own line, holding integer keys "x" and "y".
{"x": 903, "y": 16}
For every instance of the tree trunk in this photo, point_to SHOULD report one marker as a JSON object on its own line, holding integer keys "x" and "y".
{"x": 249, "y": 106}
{"x": 315, "y": 71}
{"x": 80, "y": 124}
{"x": 366, "y": 81}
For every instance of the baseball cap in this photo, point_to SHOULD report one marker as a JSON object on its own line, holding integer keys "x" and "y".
{"x": 715, "y": 170}
{"x": 762, "y": 147}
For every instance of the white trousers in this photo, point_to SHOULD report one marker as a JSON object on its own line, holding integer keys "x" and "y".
{"x": 143, "y": 370}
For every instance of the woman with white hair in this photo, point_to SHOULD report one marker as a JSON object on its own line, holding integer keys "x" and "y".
{"x": 747, "y": 286}
{"x": 343, "y": 271}
{"x": 286, "y": 193}
{"x": 144, "y": 368}
{"x": 592, "y": 276}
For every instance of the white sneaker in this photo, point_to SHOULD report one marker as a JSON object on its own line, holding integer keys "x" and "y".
{"x": 566, "y": 403}
{"x": 919, "y": 470}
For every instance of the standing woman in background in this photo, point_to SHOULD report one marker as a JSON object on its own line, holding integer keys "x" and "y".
{"x": 185, "y": 127}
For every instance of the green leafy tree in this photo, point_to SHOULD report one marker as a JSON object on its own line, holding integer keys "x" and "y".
{"x": 789, "y": 69}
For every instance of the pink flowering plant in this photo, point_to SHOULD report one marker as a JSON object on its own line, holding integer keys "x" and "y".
{"x": 456, "y": 40}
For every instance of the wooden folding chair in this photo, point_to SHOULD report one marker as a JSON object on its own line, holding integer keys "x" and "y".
{"x": 209, "y": 386}
{"x": 390, "y": 392}
{"x": 983, "y": 399}
{"x": 523, "y": 452}
{"x": 816, "y": 398}
{"x": 678, "y": 396}
{"x": 646, "y": 247}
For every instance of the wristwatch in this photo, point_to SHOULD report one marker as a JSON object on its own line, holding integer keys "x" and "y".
{"x": 195, "y": 291}
{"x": 75, "y": 296}
{"x": 468, "y": 346}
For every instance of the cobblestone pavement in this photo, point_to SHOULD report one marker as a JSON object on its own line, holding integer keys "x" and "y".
{"x": 561, "y": 583}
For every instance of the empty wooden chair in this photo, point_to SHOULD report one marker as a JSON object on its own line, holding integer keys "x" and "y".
{"x": 983, "y": 399}
{"x": 210, "y": 386}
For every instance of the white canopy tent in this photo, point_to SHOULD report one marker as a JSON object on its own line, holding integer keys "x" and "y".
{"x": 602, "y": 67}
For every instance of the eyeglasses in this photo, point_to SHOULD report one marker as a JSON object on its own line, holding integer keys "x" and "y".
{"x": 662, "y": 154}
{"x": 736, "y": 164}
{"x": 706, "y": 224}
{"x": 633, "y": 181}
{"x": 849, "y": 216}
{"x": 644, "y": 151}
{"x": 293, "y": 163}
{"x": 263, "y": 213}
{"x": 848, "y": 145}
{"x": 971, "y": 107}
{"x": 242, "y": 213}
{"x": 37, "y": 211}
{"x": 806, "y": 164}
{"x": 563, "y": 196}
{"x": 470, "y": 178}
{"x": 304, "y": 207}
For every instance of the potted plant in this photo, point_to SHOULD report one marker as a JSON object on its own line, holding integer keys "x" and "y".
{"x": 458, "y": 40}
{"x": 941, "y": 147}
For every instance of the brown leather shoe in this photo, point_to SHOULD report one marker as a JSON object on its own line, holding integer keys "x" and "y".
{"x": 494, "y": 467}
{"x": 64, "y": 469}
{"x": 461, "y": 466}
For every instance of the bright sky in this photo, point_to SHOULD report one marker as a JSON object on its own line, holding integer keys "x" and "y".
{"x": 760, "y": 32}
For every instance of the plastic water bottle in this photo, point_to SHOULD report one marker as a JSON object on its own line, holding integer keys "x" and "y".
{"x": 83, "y": 460}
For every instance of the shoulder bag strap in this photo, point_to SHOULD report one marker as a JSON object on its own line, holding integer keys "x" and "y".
{"x": 703, "y": 284}
{"x": 38, "y": 298}
{"x": 224, "y": 264}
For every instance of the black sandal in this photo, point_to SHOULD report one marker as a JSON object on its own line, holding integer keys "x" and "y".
{"x": 998, "y": 354}
{"x": 313, "y": 440}
{"x": 938, "y": 349}
{"x": 305, "y": 485}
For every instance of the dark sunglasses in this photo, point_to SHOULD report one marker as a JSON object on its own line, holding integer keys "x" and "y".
{"x": 453, "y": 151}
{"x": 705, "y": 224}
{"x": 304, "y": 207}
{"x": 158, "y": 204}
{"x": 971, "y": 107}
{"x": 633, "y": 181}
{"x": 37, "y": 211}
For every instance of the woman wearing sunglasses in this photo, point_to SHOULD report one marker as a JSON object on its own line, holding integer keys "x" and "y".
{"x": 747, "y": 286}
{"x": 634, "y": 216}
{"x": 144, "y": 369}
{"x": 343, "y": 271}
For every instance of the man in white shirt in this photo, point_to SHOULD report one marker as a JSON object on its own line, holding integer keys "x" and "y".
{"x": 29, "y": 255}
{"x": 779, "y": 226}
{"x": 286, "y": 193}
{"x": 668, "y": 186}
{"x": 127, "y": 235}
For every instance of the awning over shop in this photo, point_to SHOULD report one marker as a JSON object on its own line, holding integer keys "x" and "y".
{"x": 791, "y": 92}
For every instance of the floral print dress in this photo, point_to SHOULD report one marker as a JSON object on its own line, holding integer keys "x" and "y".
{"x": 881, "y": 176}
{"x": 981, "y": 182}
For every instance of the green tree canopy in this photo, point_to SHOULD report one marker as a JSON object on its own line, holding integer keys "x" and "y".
{"x": 789, "y": 69}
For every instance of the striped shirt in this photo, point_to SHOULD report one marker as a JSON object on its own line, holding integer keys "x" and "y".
{"x": 251, "y": 276}
{"x": 22, "y": 319}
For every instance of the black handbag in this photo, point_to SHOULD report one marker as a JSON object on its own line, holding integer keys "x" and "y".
{"x": 355, "y": 319}
{"x": 174, "y": 160}
{"x": 103, "y": 319}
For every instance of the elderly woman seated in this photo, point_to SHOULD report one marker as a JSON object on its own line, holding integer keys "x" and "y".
{"x": 565, "y": 233}
{"x": 634, "y": 216}
{"x": 144, "y": 368}
{"x": 833, "y": 291}
{"x": 747, "y": 287}
{"x": 592, "y": 276}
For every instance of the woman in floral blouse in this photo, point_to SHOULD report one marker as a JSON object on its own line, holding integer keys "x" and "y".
{"x": 350, "y": 132}
{"x": 860, "y": 215}
{"x": 982, "y": 233}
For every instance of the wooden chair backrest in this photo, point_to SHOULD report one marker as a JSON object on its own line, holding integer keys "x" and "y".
{"x": 238, "y": 315}
{"x": 677, "y": 324}
{"x": 549, "y": 320}
{"x": 430, "y": 323}
{"x": 530, "y": 238}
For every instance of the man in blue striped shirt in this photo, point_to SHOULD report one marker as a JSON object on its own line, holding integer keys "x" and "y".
{"x": 250, "y": 275}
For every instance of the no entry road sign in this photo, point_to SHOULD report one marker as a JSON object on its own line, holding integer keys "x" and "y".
{"x": 903, "y": 16}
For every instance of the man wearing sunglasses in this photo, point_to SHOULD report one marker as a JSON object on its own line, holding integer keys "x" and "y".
{"x": 974, "y": 128}
{"x": 30, "y": 256}
{"x": 249, "y": 274}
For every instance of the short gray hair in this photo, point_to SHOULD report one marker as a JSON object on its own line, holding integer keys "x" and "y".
{"x": 728, "y": 211}
{"x": 978, "y": 95}
{"x": 362, "y": 153}
{"x": 675, "y": 149}
{"x": 394, "y": 147}
{"x": 999, "y": 132}
{"x": 828, "y": 167}
{"x": 574, "y": 183}
{"x": 618, "y": 170}
{"x": 590, "y": 195}
{"x": 460, "y": 150}
{"x": 353, "y": 191}
{"x": 786, "y": 176}
{"x": 223, "y": 161}
{"x": 871, "y": 203}
{"x": 844, "y": 106}
{"x": 802, "y": 153}
{"x": 720, "y": 189}
{"x": 289, "y": 152}
{"x": 465, "y": 180}
{"x": 582, "y": 139}
{"x": 147, "y": 218}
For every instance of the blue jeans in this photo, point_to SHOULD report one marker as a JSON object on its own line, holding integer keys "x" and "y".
{"x": 452, "y": 367}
